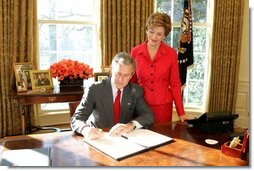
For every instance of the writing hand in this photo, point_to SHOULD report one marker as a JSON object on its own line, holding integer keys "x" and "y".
{"x": 92, "y": 133}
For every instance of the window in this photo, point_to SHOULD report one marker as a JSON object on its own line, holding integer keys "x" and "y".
{"x": 68, "y": 29}
{"x": 197, "y": 76}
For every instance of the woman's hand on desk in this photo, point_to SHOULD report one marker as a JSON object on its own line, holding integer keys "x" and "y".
{"x": 183, "y": 118}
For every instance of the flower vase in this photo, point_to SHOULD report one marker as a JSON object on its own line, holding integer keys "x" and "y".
{"x": 71, "y": 85}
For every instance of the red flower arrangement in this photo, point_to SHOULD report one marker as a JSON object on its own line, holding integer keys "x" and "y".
{"x": 70, "y": 69}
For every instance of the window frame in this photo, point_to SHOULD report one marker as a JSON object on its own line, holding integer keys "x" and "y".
{"x": 194, "y": 111}
{"x": 97, "y": 59}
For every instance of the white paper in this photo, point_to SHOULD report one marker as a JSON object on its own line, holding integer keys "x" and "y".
{"x": 26, "y": 157}
{"x": 147, "y": 137}
{"x": 119, "y": 147}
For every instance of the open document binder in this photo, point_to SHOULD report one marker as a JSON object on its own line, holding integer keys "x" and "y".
{"x": 128, "y": 144}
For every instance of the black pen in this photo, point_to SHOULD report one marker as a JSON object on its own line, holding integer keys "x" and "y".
{"x": 125, "y": 137}
{"x": 93, "y": 124}
{"x": 97, "y": 128}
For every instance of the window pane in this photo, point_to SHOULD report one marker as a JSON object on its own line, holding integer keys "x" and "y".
{"x": 178, "y": 10}
{"x": 168, "y": 39}
{"x": 176, "y": 32}
{"x": 198, "y": 70}
{"x": 67, "y": 30}
{"x": 163, "y": 6}
{"x": 195, "y": 93}
{"x": 200, "y": 37}
{"x": 79, "y": 10}
{"x": 199, "y": 11}
{"x": 64, "y": 41}
{"x": 54, "y": 106}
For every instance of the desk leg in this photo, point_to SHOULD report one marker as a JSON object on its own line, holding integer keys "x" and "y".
{"x": 23, "y": 111}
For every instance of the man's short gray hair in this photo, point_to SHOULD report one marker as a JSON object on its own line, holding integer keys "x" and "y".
{"x": 124, "y": 58}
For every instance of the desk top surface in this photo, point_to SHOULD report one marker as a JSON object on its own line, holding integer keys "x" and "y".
{"x": 188, "y": 148}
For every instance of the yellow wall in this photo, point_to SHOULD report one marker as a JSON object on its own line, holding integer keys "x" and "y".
{"x": 242, "y": 103}
{"x": 244, "y": 63}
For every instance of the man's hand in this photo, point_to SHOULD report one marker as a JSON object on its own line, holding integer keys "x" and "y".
{"x": 120, "y": 128}
{"x": 92, "y": 133}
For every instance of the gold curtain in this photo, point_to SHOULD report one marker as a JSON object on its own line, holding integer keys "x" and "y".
{"x": 18, "y": 42}
{"x": 226, "y": 45}
{"x": 122, "y": 25}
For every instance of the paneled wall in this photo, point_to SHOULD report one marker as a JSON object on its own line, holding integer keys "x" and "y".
{"x": 242, "y": 105}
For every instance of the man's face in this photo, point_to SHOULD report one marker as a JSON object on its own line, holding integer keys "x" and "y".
{"x": 121, "y": 74}
{"x": 42, "y": 75}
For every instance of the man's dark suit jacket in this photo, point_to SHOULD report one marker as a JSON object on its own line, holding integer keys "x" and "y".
{"x": 97, "y": 106}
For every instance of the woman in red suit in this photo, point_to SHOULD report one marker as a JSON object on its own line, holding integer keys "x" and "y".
{"x": 157, "y": 70}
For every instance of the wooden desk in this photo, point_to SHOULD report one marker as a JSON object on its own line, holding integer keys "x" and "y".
{"x": 187, "y": 149}
{"x": 37, "y": 97}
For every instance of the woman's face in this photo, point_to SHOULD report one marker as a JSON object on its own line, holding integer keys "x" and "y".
{"x": 155, "y": 35}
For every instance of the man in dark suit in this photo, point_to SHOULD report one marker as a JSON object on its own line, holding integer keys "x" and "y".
{"x": 97, "y": 104}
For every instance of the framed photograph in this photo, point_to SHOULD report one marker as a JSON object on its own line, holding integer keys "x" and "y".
{"x": 21, "y": 86}
{"x": 99, "y": 76}
{"x": 41, "y": 79}
{"x": 21, "y": 71}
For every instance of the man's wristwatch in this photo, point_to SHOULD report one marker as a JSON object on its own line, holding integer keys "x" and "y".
{"x": 134, "y": 125}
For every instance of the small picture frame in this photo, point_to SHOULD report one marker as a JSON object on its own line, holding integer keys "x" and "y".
{"x": 21, "y": 86}
{"x": 21, "y": 71}
{"x": 99, "y": 76}
{"x": 41, "y": 79}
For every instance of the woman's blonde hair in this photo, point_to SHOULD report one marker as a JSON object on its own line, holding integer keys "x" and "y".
{"x": 159, "y": 19}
